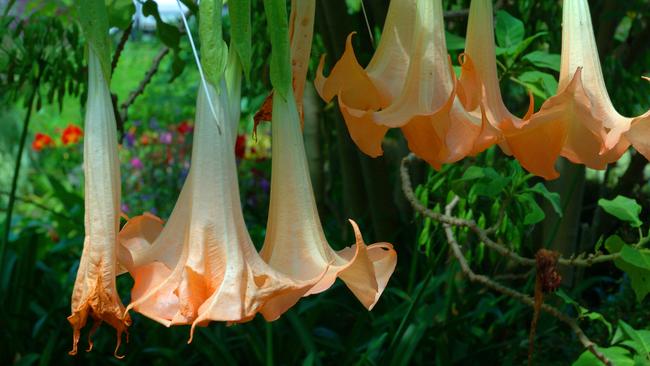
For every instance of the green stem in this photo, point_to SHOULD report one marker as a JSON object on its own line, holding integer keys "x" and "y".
{"x": 14, "y": 181}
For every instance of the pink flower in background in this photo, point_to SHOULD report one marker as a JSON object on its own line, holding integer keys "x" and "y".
{"x": 136, "y": 163}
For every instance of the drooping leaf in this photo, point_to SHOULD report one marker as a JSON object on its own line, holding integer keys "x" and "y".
{"x": 635, "y": 262}
{"x": 533, "y": 213}
{"x": 93, "y": 17}
{"x": 552, "y": 197}
{"x": 278, "y": 28}
{"x": 214, "y": 52}
{"x": 240, "y": 19}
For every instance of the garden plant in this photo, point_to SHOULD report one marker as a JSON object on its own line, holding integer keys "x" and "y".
{"x": 358, "y": 182}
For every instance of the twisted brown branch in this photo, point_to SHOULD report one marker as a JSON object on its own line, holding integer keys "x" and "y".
{"x": 581, "y": 260}
{"x": 521, "y": 297}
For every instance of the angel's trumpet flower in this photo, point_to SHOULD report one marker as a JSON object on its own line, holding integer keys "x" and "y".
{"x": 203, "y": 266}
{"x": 295, "y": 243}
{"x": 575, "y": 122}
{"x": 611, "y": 133}
{"x": 434, "y": 122}
{"x": 376, "y": 86}
{"x": 480, "y": 87}
{"x": 95, "y": 294}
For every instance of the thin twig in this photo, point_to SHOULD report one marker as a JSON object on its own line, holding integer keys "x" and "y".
{"x": 120, "y": 46}
{"x": 581, "y": 260}
{"x": 143, "y": 84}
{"x": 521, "y": 297}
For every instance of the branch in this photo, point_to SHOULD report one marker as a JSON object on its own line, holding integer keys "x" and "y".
{"x": 521, "y": 297}
{"x": 581, "y": 260}
{"x": 120, "y": 46}
{"x": 143, "y": 84}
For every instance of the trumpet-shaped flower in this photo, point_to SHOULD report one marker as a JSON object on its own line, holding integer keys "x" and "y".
{"x": 203, "y": 265}
{"x": 435, "y": 123}
{"x": 295, "y": 243}
{"x": 613, "y": 131}
{"x": 376, "y": 86}
{"x": 95, "y": 294}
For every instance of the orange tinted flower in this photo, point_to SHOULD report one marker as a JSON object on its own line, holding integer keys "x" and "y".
{"x": 95, "y": 294}
{"x": 71, "y": 134}
{"x": 41, "y": 141}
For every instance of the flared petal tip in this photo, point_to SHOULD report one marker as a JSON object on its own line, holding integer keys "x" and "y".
{"x": 118, "y": 320}
{"x": 369, "y": 270}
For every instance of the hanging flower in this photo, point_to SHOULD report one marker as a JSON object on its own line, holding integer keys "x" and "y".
{"x": 71, "y": 134}
{"x": 295, "y": 243}
{"x": 203, "y": 266}
{"x": 41, "y": 141}
{"x": 95, "y": 294}
{"x": 610, "y": 133}
{"x": 376, "y": 86}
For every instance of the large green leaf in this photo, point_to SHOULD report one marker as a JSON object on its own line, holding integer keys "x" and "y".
{"x": 618, "y": 355}
{"x": 540, "y": 83}
{"x": 168, "y": 34}
{"x": 639, "y": 339}
{"x": 509, "y": 30}
{"x": 623, "y": 208}
{"x": 120, "y": 12}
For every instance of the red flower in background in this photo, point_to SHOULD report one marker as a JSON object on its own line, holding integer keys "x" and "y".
{"x": 41, "y": 141}
{"x": 240, "y": 146}
{"x": 71, "y": 135}
{"x": 184, "y": 128}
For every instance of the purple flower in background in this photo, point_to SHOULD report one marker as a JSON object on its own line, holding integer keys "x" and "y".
{"x": 136, "y": 163}
{"x": 129, "y": 139}
{"x": 265, "y": 185}
{"x": 124, "y": 208}
{"x": 166, "y": 138}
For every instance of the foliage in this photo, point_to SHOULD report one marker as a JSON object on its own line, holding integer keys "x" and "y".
{"x": 429, "y": 313}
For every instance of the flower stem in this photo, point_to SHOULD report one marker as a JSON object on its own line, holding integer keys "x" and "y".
{"x": 14, "y": 181}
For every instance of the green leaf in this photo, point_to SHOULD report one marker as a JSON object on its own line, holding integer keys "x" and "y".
{"x": 640, "y": 338}
{"x": 278, "y": 28}
{"x": 544, "y": 59}
{"x": 623, "y": 208}
{"x": 454, "y": 42}
{"x": 514, "y": 51}
{"x": 552, "y": 197}
{"x": 120, "y": 13}
{"x": 214, "y": 52}
{"x": 634, "y": 262}
{"x": 240, "y": 30}
{"x": 533, "y": 213}
{"x": 168, "y": 34}
{"x": 540, "y": 83}
{"x": 509, "y": 30}
{"x": 618, "y": 355}
{"x": 93, "y": 17}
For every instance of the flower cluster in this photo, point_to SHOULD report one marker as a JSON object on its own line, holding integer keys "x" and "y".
{"x": 201, "y": 265}
{"x": 71, "y": 135}
{"x": 409, "y": 84}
